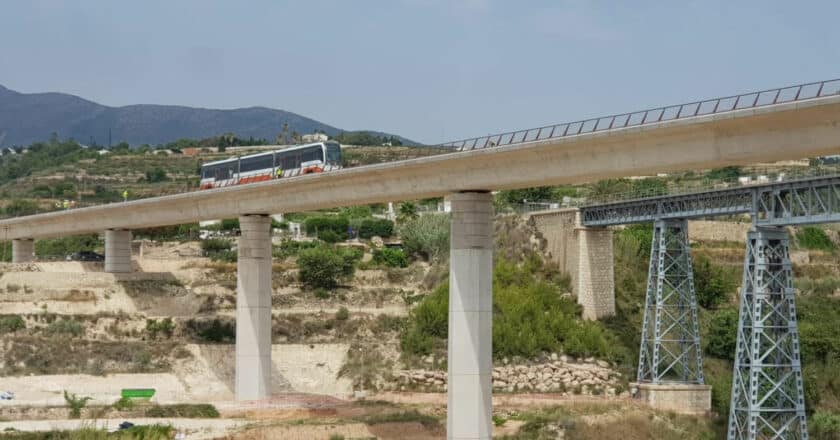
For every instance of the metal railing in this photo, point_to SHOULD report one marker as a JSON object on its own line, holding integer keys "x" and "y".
{"x": 800, "y": 92}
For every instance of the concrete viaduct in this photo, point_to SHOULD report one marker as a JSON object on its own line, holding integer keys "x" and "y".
{"x": 681, "y": 137}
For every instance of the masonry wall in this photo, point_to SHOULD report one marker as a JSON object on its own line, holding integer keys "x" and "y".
{"x": 586, "y": 254}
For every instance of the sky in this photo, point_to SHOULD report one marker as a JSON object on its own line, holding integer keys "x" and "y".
{"x": 429, "y": 70}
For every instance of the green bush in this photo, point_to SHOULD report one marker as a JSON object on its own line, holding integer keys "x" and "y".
{"x": 215, "y": 330}
{"x": 156, "y": 175}
{"x": 380, "y": 227}
{"x": 60, "y": 247}
{"x": 825, "y": 426}
{"x": 723, "y": 331}
{"x": 315, "y": 226}
{"x": 726, "y": 173}
{"x": 21, "y": 207}
{"x": 390, "y": 257}
{"x": 323, "y": 266}
{"x": 289, "y": 248}
{"x": 342, "y": 314}
{"x": 330, "y": 236}
{"x": 427, "y": 236}
{"x": 168, "y": 233}
{"x": 183, "y": 410}
{"x": 819, "y": 328}
{"x": 712, "y": 283}
{"x": 229, "y": 224}
{"x": 65, "y": 326}
{"x": 811, "y": 237}
{"x": 216, "y": 244}
{"x": 218, "y": 249}
{"x": 75, "y": 403}
{"x": 164, "y": 327}
{"x": 11, "y": 323}
{"x": 530, "y": 316}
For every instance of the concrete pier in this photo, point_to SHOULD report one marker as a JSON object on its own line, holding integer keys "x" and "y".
{"x": 117, "y": 251}
{"x": 585, "y": 253}
{"x": 253, "y": 309}
{"x": 23, "y": 250}
{"x": 470, "y": 353}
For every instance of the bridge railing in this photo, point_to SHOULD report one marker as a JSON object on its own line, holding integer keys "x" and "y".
{"x": 800, "y": 92}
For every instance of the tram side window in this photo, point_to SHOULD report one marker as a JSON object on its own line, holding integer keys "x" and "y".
{"x": 311, "y": 154}
{"x": 256, "y": 163}
{"x": 291, "y": 161}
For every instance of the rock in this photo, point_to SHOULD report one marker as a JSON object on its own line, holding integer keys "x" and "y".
{"x": 603, "y": 364}
{"x": 377, "y": 241}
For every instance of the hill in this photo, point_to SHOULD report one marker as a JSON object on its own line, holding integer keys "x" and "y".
{"x": 30, "y": 117}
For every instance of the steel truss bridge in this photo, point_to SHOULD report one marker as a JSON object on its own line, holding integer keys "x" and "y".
{"x": 794, "y": 202}
{"x": 768, "y": 398}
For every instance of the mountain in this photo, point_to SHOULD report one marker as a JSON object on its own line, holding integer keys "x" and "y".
{"x": 31, "y": 117}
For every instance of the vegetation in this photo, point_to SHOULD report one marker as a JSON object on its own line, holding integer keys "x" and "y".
{"x": 376, "y": 227}
{"x": 218, "y": 249}
{"x": 66, "y": 327}
{"x": 75, "y": 403}
{"x": 426, "y": 236}
{"x": 165, "y": 327}
{"x": 812, "y": 237}
{"x": 11, "y": 323}
{"x": 390, "y": 257}
{"x": 725, "y": 173}
{"x": 42, "y": 155}
{"x": 324, "y": 266}
{"x": 722, "y": 334}
{"x": 145, "y": 432}
{"x": 366, "y": 138}
{"x": 212, "y": 330}
{"x": 290, "y": 248}
{"x": 712, "y": 283}
{"x": 61, "y": 247}
{"x": 182, "y": 232}
{"x": 530, "y": 316}
{"x": 330, "y": 228}
{"x": 191, "y": 411}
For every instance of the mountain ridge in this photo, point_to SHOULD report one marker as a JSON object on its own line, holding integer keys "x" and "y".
{"x": 26, "y": 118}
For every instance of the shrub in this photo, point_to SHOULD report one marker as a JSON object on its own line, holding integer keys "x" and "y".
{"x": 390, "y": 257}
{"x": 810, "y": 237}
{"x": 76, "y": 404}
{"x": 342, "y": 314}
{"x": 712, "y": 283}
{"x": 725, "y": 173}
{"x": 218, "y": 249}
{"x": 20, "y": 207}
{"x": 819, "y": 328}
{"x": 825, "y": 426}
{"x": 317, "y": 225}
{"x": 230, "y": 224}
{"x": 323, "y": 266}
{"x": 59, "y": 247}
{"x": 215, "y": 245}
{"x": 371, "y": 227}
{"x": 156, "y": 175}
{"x": 330, "y": 236}
{"x": 65, "y": 326}
{"x": 164, "y": 327}
{"x": 214, "y": 330}
{"x": 427, "y": 236}
{"x": 11, "y": 323}
{"x": 723, "y": 331}
{"x": 183, "y": 410}
{"x": 290, "y": 248}
{"x": 529, "y": 317}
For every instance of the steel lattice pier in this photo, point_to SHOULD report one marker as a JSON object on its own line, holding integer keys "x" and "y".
{"x": 670, "y": 347}
{"x": 767, "y": 394}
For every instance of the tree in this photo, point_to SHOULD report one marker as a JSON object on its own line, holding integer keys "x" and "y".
{"x": 407, "y": 211}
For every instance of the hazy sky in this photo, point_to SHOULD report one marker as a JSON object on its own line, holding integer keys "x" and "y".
{"x": 431, "y": 70}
